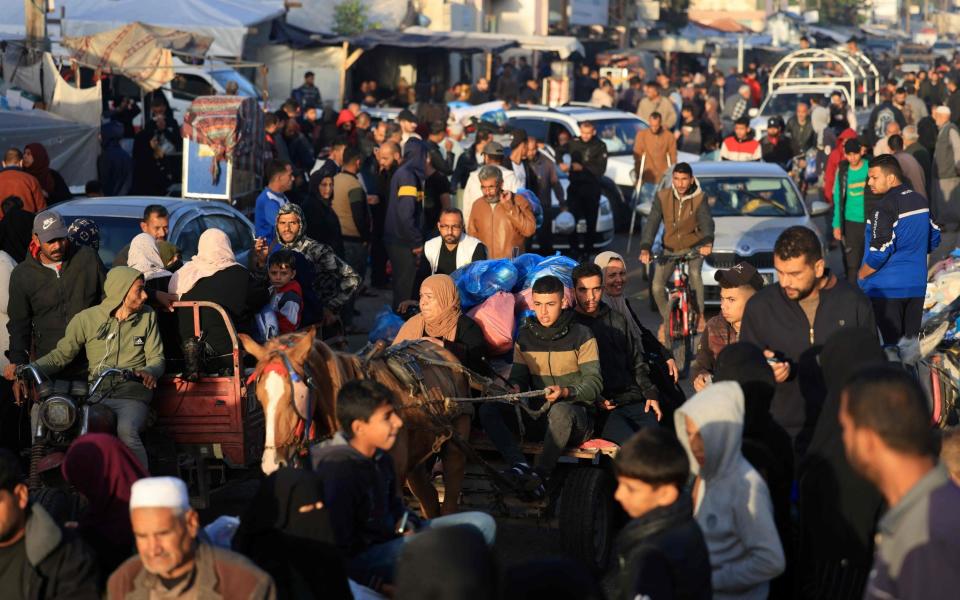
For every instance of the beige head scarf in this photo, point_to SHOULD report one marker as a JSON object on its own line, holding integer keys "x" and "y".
{"x": 617, "y": 303}
{"x": 214, "y": 254}
{"x": 444, "y": 325}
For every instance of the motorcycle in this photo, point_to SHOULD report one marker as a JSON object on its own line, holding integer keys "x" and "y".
{"x": 61, "y": 414}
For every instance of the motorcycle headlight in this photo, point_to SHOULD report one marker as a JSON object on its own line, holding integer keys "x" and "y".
{"x": 58, "y": 413}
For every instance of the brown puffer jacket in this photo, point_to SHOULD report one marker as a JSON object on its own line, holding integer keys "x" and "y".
{"x": 503, "y": 227}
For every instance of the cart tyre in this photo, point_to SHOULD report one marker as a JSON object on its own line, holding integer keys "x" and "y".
{"x": 587, "y": 515}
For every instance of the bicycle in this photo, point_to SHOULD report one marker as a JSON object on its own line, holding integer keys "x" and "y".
{"x": 681, "y": 328}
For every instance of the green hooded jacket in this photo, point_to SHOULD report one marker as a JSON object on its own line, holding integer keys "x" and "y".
{"x": 130, "y": 344}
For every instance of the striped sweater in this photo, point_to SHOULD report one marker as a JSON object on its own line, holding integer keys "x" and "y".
{"x": 565, "y": 355}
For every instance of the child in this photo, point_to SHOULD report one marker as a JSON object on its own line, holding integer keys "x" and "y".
{"x": 661, "y": 552}
{"x": 369, "y": 519}
{"x": 286, "y": 296}
{"x": 731, "y": 502}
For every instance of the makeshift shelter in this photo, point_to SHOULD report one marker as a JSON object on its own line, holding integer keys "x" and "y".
{"x": 73, "y": 147}
{"x": 144, "y": 53}
{"x": 29, "y": 71}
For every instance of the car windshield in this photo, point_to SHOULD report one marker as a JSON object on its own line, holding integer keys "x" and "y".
{"x": 243, "y": 84}
{"x": 751, "y": 197}
{"x": 115, "y": 233}
{"x": 618, "y": 134}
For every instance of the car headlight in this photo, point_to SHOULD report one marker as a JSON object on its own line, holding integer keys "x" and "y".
{"x": 58, "y": 413}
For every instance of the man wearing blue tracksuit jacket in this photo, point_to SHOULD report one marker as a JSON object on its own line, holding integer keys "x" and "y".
{"x": 900, "y": 235}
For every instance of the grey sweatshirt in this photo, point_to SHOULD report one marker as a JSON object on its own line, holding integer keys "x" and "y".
{"x": 733, "y": 508}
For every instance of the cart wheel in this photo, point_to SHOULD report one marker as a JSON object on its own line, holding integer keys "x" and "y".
{"x": 587, "y": 515}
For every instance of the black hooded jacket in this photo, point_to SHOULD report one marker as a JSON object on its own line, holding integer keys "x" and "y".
{"x": 663, "y": 555}
{"x": 405, "y": 206}
{"x": 59, "y": 564}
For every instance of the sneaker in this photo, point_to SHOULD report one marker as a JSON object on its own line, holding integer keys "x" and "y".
{"x": 522, "y": 478}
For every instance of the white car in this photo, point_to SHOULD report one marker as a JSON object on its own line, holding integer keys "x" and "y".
{"x": 751, "y": 203}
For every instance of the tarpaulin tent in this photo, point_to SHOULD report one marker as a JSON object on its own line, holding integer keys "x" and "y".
{"x": 35, "y": 73}
{"x": 73, "y": 147}
{"x": 141, "y": 52}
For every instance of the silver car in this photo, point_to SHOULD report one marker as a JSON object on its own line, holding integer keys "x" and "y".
{"x": 118, "y": 219}
{"x": 751, "y": 204}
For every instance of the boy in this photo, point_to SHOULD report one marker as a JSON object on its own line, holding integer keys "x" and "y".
{"x": 286, "y": 295}
{"x": 660, "y": 552}
{"x": 737, "y": 285}
{"x": 555, "y": 354}
{"x": 370, "y": 523}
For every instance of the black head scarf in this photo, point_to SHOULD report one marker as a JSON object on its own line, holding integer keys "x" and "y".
{"x": 276, "y": 507}
{"x": 16, "y": 228}
{"x": 447, "y": 563}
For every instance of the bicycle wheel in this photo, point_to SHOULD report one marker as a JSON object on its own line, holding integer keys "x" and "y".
{"x": 678, "y": 341}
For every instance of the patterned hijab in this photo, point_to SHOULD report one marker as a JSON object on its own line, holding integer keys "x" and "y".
{"x": 444, "y": 324}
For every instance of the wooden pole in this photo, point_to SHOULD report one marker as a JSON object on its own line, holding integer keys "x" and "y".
{"x": 343, "y": 74}
{"x": 35, "y": 20}
{"x": 489, "y": 66}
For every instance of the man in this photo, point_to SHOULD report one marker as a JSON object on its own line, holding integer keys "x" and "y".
{"x": 279, "y": 176}
{"x": 800, "y": 130}
{"x": 775, "y": 147}
{"x": 915, "y": 106}
{"x": 518, "y": 152}
{"x": 171, "y": 561}
{"x": 654, "y": 102}
{"x": 156, "y": 153}
{"x": 737, "y": 285}
{"x": 350, "y": 205}
{"x": 453, "y": 248}
{"x": 629, "y": 398}
{"x": 894, "y": 275}
{"x": 572, "y": 385}
{"x": 945, "y": 188}
{"x": 493, "y": 156}
{"x": 408, "y": 126}
{"x": 878, "y": 127}
{"x": 792, "y": 320}
{"x": 480, "y": 92}
{"x": 688, "y": 226}
{"x": 852, "y": 203}
{"x": 401, "y": 233}
{"x": 912, "y": 170}
{"x": 735, "y": 108}
{"x": 842, "y": 115}
{"x": 276, "y": 145}
{"x": 120, "y": 332}
{"x": 307, "y": 94}
{"x": 55, "y": 281}
{"x": 470, "y": 160}
{"x": 530, "y": 94}
{"x": 659, "y": 146}
{"x": 693, "y": 132}
{"x": 932, "y": 91}
{"x": 913, "y": 147}
{"x": 883, "y": 144}
{"x": 388, "y": 161}
{"x": 38, "y": 559}
{"x": 588, "y": 163}
{"x": 741, "y": 146}
{"x": 503, "y": 221}
{"x": 156, "y": 222}
{"x": 546, "y": 185}
{"x": 953, "y": 97}
{"x": 14, "y": 181}
{"x": 630, "y": 97}
{"x": 442, "y": 147}
{"x": 888, "y": 439}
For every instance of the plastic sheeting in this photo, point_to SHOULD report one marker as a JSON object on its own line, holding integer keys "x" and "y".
{"x": 287, "y": 66}
{"x": 42, "y": 79}
{"x": 73, "y": 147}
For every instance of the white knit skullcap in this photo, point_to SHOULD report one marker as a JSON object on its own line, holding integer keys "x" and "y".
{"x": 159, "y": 492}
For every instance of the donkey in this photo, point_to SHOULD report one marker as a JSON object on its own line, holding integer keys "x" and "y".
{"x": 297, "y": 380}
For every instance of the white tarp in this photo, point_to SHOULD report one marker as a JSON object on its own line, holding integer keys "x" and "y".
{"x": 73, "y": 147}
{"x": 287, "y": 67}
{"x": 317, "y": 15}
{"x": 226, "y": 21}
{"x": 60, "y": 96}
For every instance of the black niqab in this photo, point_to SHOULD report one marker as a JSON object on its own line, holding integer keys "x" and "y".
{"x": 16, "y": 229}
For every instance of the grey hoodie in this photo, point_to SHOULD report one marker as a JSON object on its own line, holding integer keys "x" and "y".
{"x": 733, "y": 508}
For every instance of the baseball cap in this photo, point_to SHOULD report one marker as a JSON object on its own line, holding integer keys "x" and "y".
{"x": 49, "y": 226}
{"x": 406, "y": 115}
{"x": 493, "y": 149}
{"x": 738, "y": 275}
{"x": 775, "y": 122}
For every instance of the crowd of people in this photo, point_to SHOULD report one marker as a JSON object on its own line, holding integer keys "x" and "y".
{"x": 804, "y": 466}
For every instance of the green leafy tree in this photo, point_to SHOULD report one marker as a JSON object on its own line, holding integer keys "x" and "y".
{"x": 350, "y": 17}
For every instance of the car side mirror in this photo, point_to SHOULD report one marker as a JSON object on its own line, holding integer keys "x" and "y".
{"x": 644, "y": 208}
{"x": 819, "y": 207}
{"x": 753, "y": 112}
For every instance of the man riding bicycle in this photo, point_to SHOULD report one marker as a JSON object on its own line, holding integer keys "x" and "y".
{"x": 121, "y": 332}
{"x": 687, "y": 226}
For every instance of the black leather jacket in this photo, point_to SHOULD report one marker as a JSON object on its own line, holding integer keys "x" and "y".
{"x": 592, "y": 155}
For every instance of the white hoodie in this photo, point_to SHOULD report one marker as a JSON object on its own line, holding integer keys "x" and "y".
{"x": 734, "y": 508}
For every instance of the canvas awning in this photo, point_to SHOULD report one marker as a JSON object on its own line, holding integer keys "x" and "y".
{"x": 143, "y": 53}
{"x": 422, "y": 39}
{"x": 565, "y": 46}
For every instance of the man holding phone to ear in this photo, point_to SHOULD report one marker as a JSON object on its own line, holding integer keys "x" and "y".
{"x": 792, "y": 320}
{"x": 503, "y": 222}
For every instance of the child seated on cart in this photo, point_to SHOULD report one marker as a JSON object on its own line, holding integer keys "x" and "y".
{"x": 558, "y": 355}
{"x": 370, "y": 522}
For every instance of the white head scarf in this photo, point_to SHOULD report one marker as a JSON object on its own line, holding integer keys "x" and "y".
{"x": 214, "y": 254}
{"x": 617, "y": 303}
{"x": 145, "y": 257}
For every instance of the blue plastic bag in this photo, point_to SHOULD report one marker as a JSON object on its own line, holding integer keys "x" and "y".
{"x": 525, "y": 263}
{"x": 479, "y": 280}
{"x": 386, "y": 325}
{"x": 535, "y": 204}
{"x": 558, "y": 266}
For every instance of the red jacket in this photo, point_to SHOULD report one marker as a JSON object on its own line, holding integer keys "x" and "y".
{"x": 833, "y": 163}
{"x": 288, "y": 303}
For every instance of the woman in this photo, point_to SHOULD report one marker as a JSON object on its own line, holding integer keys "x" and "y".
{"x": 286, "y": 531}
{"x": 602, "y": 97}
{"x": 215, "y": 275}
{"x": 322, "y": 223}
{"x": 144, "y": 256}
{"x": 838, "y": 508}
{"x": 102, "y": 468}
{"x": 36, "y": 162}
{"x": 442, "y": 322}
{"x": 16, "y": 228}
